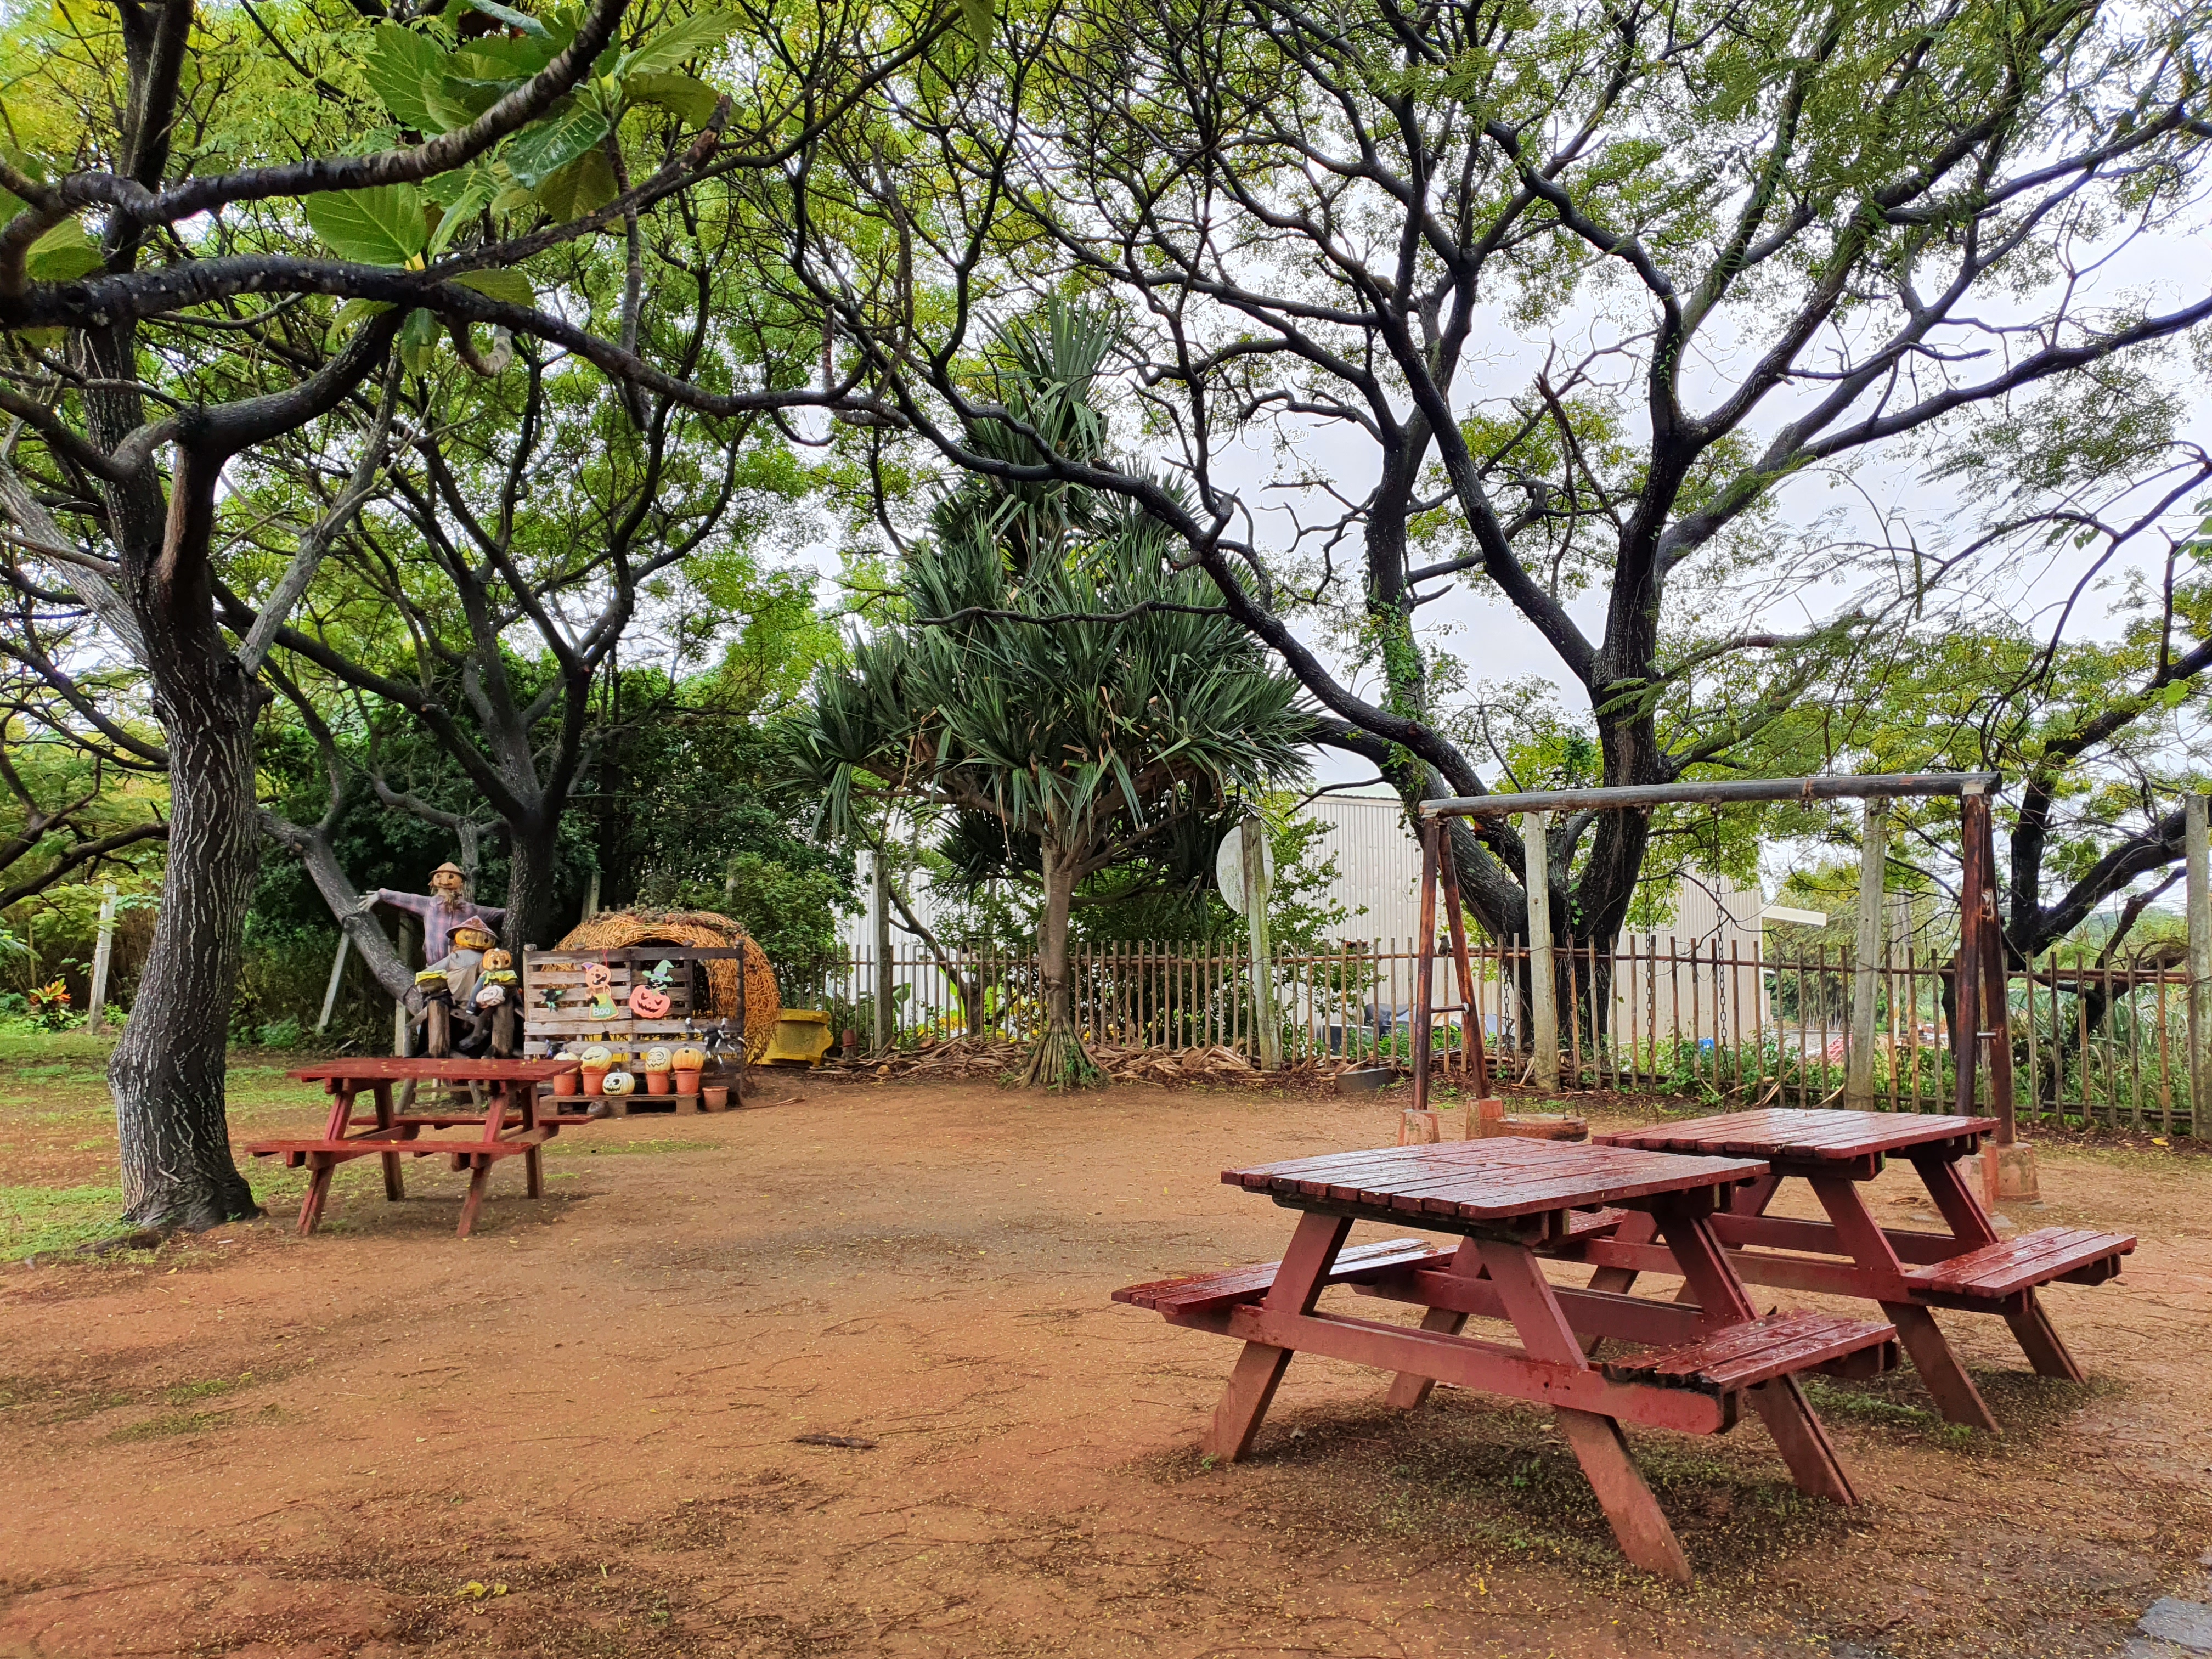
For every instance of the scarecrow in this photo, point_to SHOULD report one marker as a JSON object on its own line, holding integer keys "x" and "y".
{"x": 456, "y": 931}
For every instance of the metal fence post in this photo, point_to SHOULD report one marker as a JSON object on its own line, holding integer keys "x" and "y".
{"x": 883, "y": 918}
{"x": 1858, "y": 1069}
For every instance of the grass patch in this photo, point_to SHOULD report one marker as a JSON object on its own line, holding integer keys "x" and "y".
{"x": 37, "y": 1219}
{"x": 183, "y": 1394}
{"x": 169, "y": 1424}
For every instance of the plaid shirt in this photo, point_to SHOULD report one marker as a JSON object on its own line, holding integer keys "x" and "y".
{"x": 440, "y": 916}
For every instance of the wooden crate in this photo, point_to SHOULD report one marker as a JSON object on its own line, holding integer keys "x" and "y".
{"x": 550, "y": 1030}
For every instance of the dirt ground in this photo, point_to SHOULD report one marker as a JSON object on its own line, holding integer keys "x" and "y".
{"x": 576, "y": 1433}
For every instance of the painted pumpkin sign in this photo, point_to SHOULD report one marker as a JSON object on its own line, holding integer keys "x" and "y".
{"x": 646, "y": 1003}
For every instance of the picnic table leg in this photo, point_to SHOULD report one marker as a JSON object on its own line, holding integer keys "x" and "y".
{"x": 1781, "y": 1403}
{"x": 319, "y": 1189}
{"x": 479, "y": 1175}
{"x": 1970, "y": 1223}
{"x": 395, "y": 1184}
{"x": 1260, "y": 1368}
{"x": 1945, "y": 1378}
{"x": 1410, "y": 1389}
{"x": 2040, "y": 1340}
{"x": 1638, "y": 1523}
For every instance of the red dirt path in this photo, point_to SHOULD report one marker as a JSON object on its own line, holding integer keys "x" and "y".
{"x": 259, "y": 1445}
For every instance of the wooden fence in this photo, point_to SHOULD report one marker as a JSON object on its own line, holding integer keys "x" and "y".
{"x": 2094, "y": 1042}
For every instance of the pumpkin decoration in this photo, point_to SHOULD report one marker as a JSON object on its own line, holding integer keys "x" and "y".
{"x": 595, "y": 1060}
{"x": 496, "y": 961}
{"x": 657, "y": 1059}
{"x": 646, "y": 1003}
{"x": 473, "y": 935}
{"x": 619, "y": 1083}
{"x": 689, "y": 1058}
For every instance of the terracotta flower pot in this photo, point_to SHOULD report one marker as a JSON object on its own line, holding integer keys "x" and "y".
{"x": 716, "y": 1099}
{"x": 687, "y": 1082}
{"x": 567, "y": 1082}
{"x": 595, "y": 1079}
{"x": 658, "y": 1083}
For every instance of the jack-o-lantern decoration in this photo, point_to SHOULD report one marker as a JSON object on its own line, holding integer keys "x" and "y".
{"x": 619, "y": 1083}
{"x": 497, "y": 960}
{"x": 656, "y": 1058}
{"x": 473, "y": 935}
{"x": 646, "y": 1003}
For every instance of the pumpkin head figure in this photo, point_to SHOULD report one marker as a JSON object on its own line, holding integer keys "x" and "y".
{"x": 495, "y": 960}
{"x": 646, "y": 1003}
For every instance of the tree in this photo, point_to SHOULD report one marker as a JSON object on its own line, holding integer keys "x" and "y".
{"x": 1070, "y": 701}
{"x": 1585, "y": 287}
{"x": 491, "y": 140}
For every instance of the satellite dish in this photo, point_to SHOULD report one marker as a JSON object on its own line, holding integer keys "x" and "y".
{"x": 1229, "y": 868}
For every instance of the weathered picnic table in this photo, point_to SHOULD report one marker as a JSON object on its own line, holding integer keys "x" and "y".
{"x": 1836, "y": 1153}
{"x": 504, "y": 1109}
{"x": 1510, "y": 1202}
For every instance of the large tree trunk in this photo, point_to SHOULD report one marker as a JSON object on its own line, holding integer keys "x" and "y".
{"x": 532, "y": 872}
{"x": 1057, "y": 1060}
{"x": 167, "y": 1073}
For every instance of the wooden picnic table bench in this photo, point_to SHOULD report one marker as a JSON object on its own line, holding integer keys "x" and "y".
{"x": 1835, "y": 1153}
{"x": 505, "y": 1109}
{"x": 1510, "y": 1202}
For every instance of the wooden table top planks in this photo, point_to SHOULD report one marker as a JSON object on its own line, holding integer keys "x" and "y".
{"x": 1486, "y": 1181}
{"x": 1799, "y": 1135}
{"x": 456, "y": 1068}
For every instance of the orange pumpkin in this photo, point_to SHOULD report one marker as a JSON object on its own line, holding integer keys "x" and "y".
{"x": 646, "y": 1003}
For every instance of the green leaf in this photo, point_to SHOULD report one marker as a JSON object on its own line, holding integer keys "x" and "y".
{"x": 569, "y": 130}
{"x": 679, "y": 42}
{"x": 504, "y": 283}
{"x": 464, "y": 204}
{"x": 501, "y": 54}
{"x": 62, "y": 254}
{"x": 356, "y": 311}
{"x": 509, "y": 15}
{"x": 384, "y": 225}
{"x": 458, "y": 99}
{"x": 418, "y": 342}
{"x": 691, "y": 99}
{"x": 976, "y": 17}
{"x": 401, "y": 67}
{"x": 585, "y": 183}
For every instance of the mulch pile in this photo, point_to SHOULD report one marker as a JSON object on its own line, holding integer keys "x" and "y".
{"x": 995, "y": 1058}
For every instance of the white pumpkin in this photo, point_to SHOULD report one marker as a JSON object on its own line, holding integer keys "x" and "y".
{"x": 656, "y": 1058}
{"x": 597, "y": 1054}
{"x": 619, "y": 1083}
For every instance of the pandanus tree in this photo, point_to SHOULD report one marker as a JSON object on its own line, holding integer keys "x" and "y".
{"x": 1056, "y": 687}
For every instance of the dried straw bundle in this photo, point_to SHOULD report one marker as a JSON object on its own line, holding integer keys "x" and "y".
{"x": 623, "y": 930}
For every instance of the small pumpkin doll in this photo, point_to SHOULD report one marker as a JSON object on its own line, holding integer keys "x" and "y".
{"x": 599, "y": 985}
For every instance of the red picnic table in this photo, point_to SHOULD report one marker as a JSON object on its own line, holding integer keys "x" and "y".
{"x": 1511, "y": 1202}
{"x": 1836, "y": 1153}
{"x": 505, "y": 1111}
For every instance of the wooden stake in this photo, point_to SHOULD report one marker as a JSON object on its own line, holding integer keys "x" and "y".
{"x": 1253, "y": 836}
{"x": 2199, "y": 857}
{"x": 1858, "y": 1071}
{"x": 102, "y": 951}
{"x": 1543, "y": 988}
{"x": 337, "y": 974}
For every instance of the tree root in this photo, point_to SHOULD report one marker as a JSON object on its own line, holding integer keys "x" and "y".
{"x": 1059, "y": 1062}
